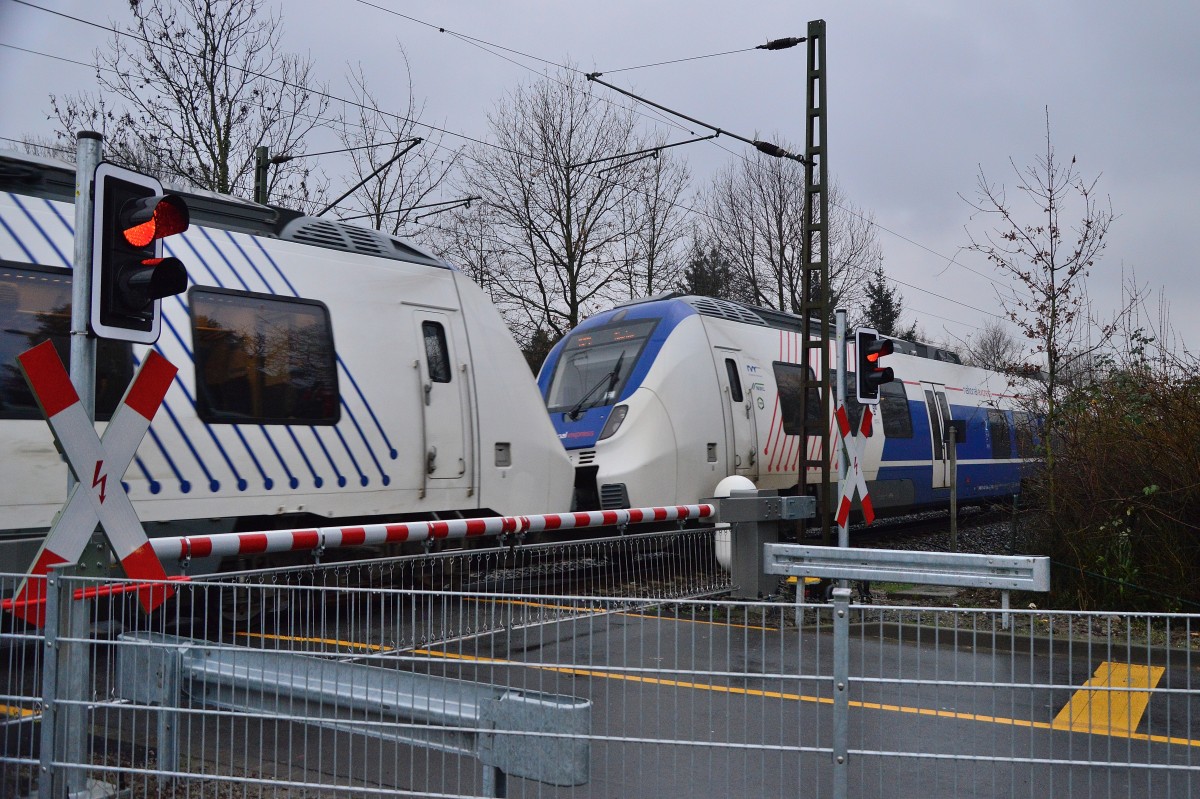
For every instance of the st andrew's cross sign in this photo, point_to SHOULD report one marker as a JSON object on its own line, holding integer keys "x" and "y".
{"x": 98, "y": 497}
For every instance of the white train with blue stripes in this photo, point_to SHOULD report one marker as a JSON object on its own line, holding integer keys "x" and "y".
{"x": 658, "y": 400}
{"x": 327, "y": 374}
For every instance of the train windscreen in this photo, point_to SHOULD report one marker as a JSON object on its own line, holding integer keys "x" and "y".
{"x": 594, "y": 365}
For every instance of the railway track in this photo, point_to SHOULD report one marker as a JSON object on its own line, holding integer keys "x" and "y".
{"x": 923, "y": 530}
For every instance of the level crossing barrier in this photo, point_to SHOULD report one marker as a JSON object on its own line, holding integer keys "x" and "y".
{"x": 321, "y": 539}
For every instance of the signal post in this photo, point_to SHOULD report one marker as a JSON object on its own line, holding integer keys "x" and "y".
{"x": 119, "y": 278}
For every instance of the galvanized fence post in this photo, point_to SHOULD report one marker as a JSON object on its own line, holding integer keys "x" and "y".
{"x": 841, "y": 692}
{"x": 168, "y": 719}
{"x": 74, "y": 683}
{"x": 46, "y": 772}
{"x": 65, "y": 675}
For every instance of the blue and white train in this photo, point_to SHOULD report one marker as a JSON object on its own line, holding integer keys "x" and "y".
{"x": 657, "y": 400}
{"x": 328, "y": 374}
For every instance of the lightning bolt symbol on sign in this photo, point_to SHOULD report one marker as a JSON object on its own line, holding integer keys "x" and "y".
{"x": 100, "y": 480}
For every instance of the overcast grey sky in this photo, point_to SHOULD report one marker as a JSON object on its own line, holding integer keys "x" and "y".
{"x": 920, "y": 96}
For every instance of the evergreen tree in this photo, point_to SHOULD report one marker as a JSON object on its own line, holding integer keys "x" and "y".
{"x": 706, "y": 274}
{"x": 710, "y": 274}
{"x": 884, "y": 306}
{"x": 538, "y": 348}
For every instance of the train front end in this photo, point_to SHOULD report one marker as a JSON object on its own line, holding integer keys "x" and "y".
{"x": 598, "y": 384}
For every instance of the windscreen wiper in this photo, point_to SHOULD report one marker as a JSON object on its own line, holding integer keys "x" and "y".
{"x": 610, "y": 379}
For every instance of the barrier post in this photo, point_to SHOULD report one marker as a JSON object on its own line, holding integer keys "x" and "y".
{"x": 754, "y": 518}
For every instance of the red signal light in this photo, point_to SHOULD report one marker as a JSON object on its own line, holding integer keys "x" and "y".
{"x": 130, "y": 277}
{"x": 870, "y": 374}
{"x": 153, "y": 218}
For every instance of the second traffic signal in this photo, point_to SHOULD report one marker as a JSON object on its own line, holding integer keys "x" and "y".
{"x": 131, "y": 217}
{"x": 870, "y": 374}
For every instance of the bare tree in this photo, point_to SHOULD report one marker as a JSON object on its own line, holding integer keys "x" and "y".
{"x": 468, "y": 239}
{"x": 1050, "y": 260}
{"x": 653, "y": 252}
{"x": 756, "y": 213}
{"x": 394, "y": 169}
{"x": 994, "y": 347}
{"x": 191, "y": 88}
{"x": 564, "y": 219}
{"x": 756, "y": 216}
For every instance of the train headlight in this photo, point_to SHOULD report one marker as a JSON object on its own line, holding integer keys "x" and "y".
{"x": 614, "y": 422}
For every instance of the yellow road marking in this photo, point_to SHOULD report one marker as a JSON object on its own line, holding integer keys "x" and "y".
{"x": 525, "y": 603}
{"x": 624, "y": 613}
{"x": 755, "y": 692}
{"x": 14, "y": 711}
{"x": 1107, "y": 708}
{"x": 324, "y": 641}
{"x": 1110, "y": 712}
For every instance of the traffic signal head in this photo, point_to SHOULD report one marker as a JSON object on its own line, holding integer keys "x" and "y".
{"x": 870, "y": 375}
{"x": 130, "y": 219}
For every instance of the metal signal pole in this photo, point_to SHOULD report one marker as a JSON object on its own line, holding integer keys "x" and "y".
{"x": 83, "y": 347}
{"x": 814, "y": 266}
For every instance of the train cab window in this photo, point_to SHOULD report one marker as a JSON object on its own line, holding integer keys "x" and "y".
{"x": 893, "y": 407}
{"x": 35, "y": 305}
{"x": 263, "y": 359}
{"x": 437, "y": 354}
{"x": 735, "y": 381}
{"x": 595, "y": 363}
{"x": 789, "y": 378}
{"x": 998, "y": 432}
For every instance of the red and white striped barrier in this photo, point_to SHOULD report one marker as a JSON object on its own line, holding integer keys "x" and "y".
{"x": 233, "y": 544}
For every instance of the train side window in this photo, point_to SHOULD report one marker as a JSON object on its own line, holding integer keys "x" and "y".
{"x": 1023, "y": 425}
{"x": 437, "y": 354}
{"x": 789, "y": 379}
{"x": 735, "y": 382}
{"x": 893, "y": 406}
{"x": 263, "y": 359}
{"x": 35, "y": 305}
{"x": 935, "y": 429}
{"x": 998, "y": 433}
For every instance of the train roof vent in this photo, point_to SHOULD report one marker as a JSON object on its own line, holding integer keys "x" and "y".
{"x": 365, "y": 241}
{"x": 711, "y": 306}
{"x": 318, "y": 232}
{"x": 350, "y": 238}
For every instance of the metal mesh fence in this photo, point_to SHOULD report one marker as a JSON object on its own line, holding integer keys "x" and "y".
{"x": 599, "y": 668}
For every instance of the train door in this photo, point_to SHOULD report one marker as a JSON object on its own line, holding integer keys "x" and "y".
{"x": 939, "y": 413}
{"x": 443, "y": 390}
{"x": 739, "y": 404}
